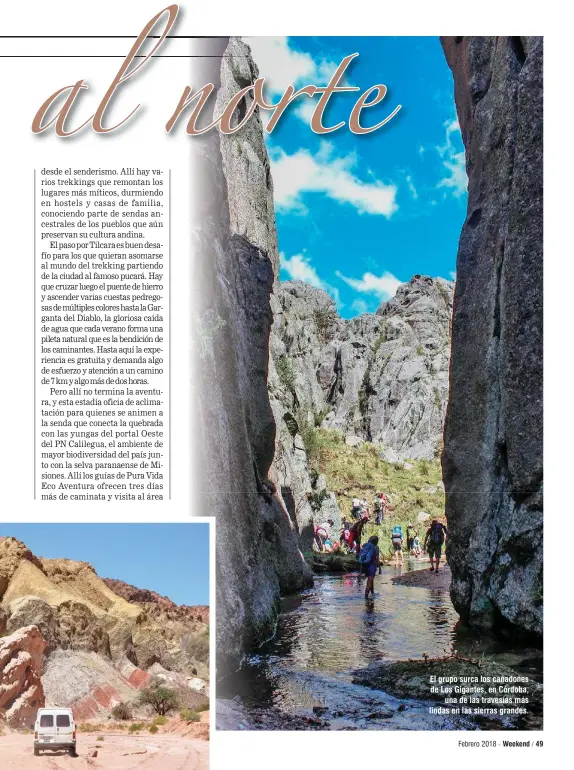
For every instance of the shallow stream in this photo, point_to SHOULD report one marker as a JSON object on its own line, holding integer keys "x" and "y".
{"x": 328, "y": 632}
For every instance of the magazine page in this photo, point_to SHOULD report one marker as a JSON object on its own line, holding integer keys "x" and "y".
{"x": 273, "y": 408}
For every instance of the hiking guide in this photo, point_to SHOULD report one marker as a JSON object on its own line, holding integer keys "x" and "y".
{"x": 434, "y": 540}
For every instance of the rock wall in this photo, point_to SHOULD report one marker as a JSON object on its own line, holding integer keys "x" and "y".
{"x": 492, "y": 460}
{"x": 21, "y": 668}
{"x": 382, "y": 377}
{"x": 236, "y": 260}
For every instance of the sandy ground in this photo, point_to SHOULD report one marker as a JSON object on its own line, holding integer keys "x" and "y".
{"x": 424, "y": 578}
{"x": 115, "y": 752}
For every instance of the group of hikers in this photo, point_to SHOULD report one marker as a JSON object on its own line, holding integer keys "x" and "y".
{"x": 368, "y": 555}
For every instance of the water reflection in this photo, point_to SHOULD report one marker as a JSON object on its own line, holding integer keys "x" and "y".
{"x": 329, "y": 631}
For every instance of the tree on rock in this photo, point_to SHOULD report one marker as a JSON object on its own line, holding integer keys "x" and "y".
{"x": 159, "y": 697}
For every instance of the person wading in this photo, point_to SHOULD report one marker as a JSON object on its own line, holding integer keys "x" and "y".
{"x": 397, "y": 543}
{"x": 434, "y": 540}
{"x": 369, "y": 559}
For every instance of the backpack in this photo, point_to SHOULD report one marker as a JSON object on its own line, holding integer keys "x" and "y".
{"x": 437, "y": 535}
{"x": 367, "y": 554}
{"x": 397, "y": 533}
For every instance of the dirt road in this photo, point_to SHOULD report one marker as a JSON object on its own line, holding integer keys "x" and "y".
{"x": 115, "y": 752}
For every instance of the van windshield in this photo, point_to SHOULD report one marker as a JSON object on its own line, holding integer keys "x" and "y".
{"x": 47, "y": 720}
{"x": 62, "y": 720}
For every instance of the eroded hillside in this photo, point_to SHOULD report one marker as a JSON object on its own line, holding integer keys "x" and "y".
{"x": 68, "y": 639}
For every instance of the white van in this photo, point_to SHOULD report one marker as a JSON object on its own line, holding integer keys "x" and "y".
{"x": 54, "y": 730}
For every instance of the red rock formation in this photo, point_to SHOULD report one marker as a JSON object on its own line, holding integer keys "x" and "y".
{"x": 146, "y": 598}
{"x": 21, "y": 665}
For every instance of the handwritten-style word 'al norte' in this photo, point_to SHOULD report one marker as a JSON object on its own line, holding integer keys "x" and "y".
{"x": 195, "y": 100}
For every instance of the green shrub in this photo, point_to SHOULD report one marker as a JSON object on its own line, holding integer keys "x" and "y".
{"x": 324, "y": 317}
{"x": 135, "y": 727}
{"x": 286, "y": 373}
{"x": 100, "y": 738}
{"x": 121, "y": 711}
{"x": 159, "y": 721}
{"x": 153, "y": 729}
{"x": 424, "y": 469}
{"x": 197, "y": 645}
{"x": 310, "y": 441}
{"x": 189, "y": 716}
{"x": 202, "y": 707}
{"x": 159, "y": 697}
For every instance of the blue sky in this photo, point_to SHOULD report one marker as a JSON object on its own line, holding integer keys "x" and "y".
{"x": 172, "y": 559}
{"x": 358, "y": 215}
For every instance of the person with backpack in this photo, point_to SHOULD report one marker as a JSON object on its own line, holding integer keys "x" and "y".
{"x": 397, "y": 543}
{"x": 355, "y": 533}
{"x": 380, "y": 507}
{"x": 369, "y": 559}
{"x": 434, "y": 540}
{"x": 356, "y": 508}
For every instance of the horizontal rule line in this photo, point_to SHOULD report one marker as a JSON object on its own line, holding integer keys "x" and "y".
{"x": 105, "y": 56}
{"x": 107, "y": 37}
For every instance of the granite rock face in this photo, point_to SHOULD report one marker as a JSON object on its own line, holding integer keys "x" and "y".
{"x": 236, "y": 262}
{"x": 378, "y": 377}
{"x": 492, "y": 460}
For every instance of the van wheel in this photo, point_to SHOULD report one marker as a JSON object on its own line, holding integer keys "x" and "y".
{"x": 72, "y": 751}
{"x": 36, "y": 751}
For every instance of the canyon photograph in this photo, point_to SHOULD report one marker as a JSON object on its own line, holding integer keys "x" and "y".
{"x": 369, "y": 344}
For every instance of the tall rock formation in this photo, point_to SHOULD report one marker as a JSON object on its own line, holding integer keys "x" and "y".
{"x": 236, "y": 260}
{"x": 492, "y": 460}
{"x": 383, "y": 376}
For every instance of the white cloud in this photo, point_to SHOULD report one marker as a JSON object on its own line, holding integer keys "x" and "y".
{"x": 411, "y": 186}
{"x": 453, "y": 275}
{"x": 453, "y": 161}
{"x": 305, "y": 109}
{"x": 282, "y": 65}
{"x": 324, "y": 172}
{"x": 299, "y": 268}
{"x": 383, "y": 286}
{"x": 360, "y": 306}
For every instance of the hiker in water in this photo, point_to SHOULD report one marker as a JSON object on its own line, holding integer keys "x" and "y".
{"x": 397, "y": 543}
{"x": 355, "y": 533}
{"x": 417, "y": 546}
{"x": 369, "y": 559}
{"x": 411, "y": 534}
{"x": 433, "y": 543}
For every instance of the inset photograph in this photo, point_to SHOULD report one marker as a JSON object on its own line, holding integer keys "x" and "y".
{"x": 104, "y": 645}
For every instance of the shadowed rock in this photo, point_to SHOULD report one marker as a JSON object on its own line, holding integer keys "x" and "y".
{"x": 492, "y": 460}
